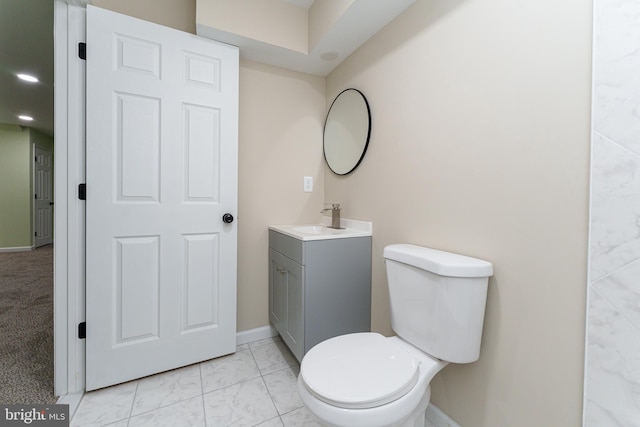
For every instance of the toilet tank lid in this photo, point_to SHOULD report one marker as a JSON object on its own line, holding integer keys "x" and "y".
{"x": 439, "y": 262}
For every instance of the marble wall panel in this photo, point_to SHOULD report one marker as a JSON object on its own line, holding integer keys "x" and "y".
{"x": 615, "y": 207}
{"x": 612, "y": 371}
{"x": 616, "y": 55}
{"x": 613, "y": 374}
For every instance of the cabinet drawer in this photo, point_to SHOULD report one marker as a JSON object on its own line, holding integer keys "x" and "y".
{"x": 287, "y": 246}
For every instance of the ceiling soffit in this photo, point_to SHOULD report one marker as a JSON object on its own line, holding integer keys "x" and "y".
{"x": 312, "y": 40}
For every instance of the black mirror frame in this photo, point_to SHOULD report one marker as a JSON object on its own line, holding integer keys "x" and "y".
{"x": 366, "y": 144}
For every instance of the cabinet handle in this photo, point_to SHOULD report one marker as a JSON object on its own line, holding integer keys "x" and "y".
{"x": 281, "y": 270}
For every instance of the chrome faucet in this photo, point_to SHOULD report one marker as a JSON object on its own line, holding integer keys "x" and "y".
{"x": 335, "y": 214}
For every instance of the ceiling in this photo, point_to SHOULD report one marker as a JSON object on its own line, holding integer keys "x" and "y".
{"x": 26, "y": 46}
{"x": 300, "y": 3}
{"x": 342, "y": 27}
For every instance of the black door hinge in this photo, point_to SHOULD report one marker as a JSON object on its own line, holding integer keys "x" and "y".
{"x": 82, "y": 50}
{"x": 82, "y": 191}
{"x": 82, "y": 330}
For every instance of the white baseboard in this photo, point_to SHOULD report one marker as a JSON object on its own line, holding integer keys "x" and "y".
{"x": 17, "y": 249}
{"x": 439, "y": 418}
{"x": 256, "y": 334}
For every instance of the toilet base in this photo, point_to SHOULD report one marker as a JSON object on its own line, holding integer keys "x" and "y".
{"x": 407, "y": 411}
{"x": 418, "y": 417}
{"x": 394, "y": 414}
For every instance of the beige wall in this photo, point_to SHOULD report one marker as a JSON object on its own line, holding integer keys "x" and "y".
{"x": 274, "y": 22}
{"x": 280, "y": 142}
{"x": 178, "y": 14}
{"x": 480, "y": 145}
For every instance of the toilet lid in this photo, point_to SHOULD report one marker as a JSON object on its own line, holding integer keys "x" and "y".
{"x": 362, "y": 370}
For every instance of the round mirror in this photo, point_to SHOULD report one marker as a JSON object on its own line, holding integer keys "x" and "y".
{"x": 346, "y": 131}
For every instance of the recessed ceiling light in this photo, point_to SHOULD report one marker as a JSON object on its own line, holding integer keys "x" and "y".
{"x": 27, "y": 78}
{"x": 25, "y": 118}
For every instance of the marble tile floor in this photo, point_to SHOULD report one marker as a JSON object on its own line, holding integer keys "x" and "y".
{"x": 256, "y": 386}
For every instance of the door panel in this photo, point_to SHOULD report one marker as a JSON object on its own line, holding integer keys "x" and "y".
{"x": 277, "y": 290}
{"x": 137, "y": 148}
{"x": 202, "y": 152}
{"x": 137, "y": 285}
{"x": 294, "y": 327}
{"x": 161, "y": 171}
{"x": 201, "y": 285}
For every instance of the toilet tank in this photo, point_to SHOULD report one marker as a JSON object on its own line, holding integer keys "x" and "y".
{"x": 437, "y": 300}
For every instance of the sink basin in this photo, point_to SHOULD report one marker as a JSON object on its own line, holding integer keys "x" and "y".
{"x": 317, "y": 229}
{"x": 352, "y": 228}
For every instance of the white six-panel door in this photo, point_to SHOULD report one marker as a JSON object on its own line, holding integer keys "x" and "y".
{"x": 162, "y": 118}
{"x": 42, "y": 187}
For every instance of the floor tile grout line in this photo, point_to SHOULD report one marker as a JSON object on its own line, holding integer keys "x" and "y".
{"x": 265, "y": 383}
{"x": 234, "y": 384}
{"x": 260, "y": 374}
{"x": 253, "y": 356}
{"x": 133, "y": 401}
{"x": 161, "y": 407}
{"x": 204, "y": 410}
{"x": 181, "y": 400}
{"x": 78, "y": 407}
{"x": 135, "y": 394}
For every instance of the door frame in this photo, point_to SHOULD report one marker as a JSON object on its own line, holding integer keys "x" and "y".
{"x": 69, "y": 212}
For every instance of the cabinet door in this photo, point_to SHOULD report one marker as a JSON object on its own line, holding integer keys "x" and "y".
{"x": 277, "y": 291}
{"x": 293, "y": 334}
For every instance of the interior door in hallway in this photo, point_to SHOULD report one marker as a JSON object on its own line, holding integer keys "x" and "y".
{"x": 162, "y": 119}
{"x": 43, "y": 197}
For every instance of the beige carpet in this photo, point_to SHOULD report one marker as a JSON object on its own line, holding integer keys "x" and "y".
{"x": 26, "y": 326}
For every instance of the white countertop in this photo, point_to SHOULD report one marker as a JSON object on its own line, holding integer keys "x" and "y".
{"x": 321, "y": 231}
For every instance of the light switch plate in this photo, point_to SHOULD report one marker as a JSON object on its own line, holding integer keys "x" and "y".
{"x": 308, "y": 184}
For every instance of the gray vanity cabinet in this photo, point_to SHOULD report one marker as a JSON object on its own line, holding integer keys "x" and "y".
{"x": 318, "y": 289}
{"x": 286, "y": 299}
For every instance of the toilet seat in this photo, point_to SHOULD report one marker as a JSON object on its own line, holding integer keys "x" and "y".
{"x": 358, "y": 371}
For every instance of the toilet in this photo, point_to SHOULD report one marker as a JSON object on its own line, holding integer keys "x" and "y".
{"x": 437, "y": 302}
